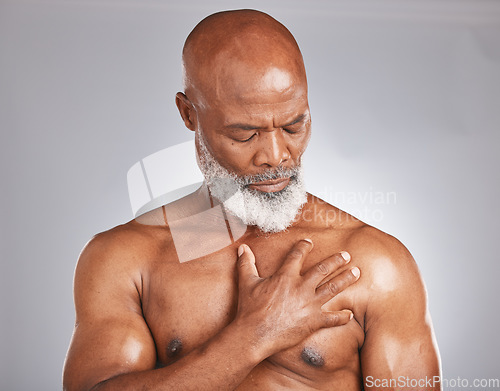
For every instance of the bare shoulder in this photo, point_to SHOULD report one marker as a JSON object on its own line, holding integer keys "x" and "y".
{"x": 121, "y": 254}
{"x": 385, "y": 261}
{"x": 370, "y": 245}
{"x": 108, "y": 292}
{"x": 392, "y": 300}
{"x": 389, "y": 274}
{"x": 390, "y": 282}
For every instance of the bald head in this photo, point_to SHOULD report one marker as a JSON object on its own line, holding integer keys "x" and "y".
{"x": 232, "y": 53}
{"x": 245, "y": 92}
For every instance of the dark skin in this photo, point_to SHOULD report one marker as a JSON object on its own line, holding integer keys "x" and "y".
{"x": 266, "y": 312}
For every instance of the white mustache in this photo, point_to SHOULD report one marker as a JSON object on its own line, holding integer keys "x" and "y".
{"x": 279, "y": 173}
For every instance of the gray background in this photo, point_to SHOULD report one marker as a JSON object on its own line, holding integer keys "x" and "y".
{"x": 404, "y": 96}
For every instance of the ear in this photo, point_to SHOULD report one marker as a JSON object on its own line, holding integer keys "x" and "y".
{"x": 186, "y": 109}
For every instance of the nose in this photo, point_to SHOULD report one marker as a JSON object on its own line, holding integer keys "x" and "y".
{"x": 272, "y": 149}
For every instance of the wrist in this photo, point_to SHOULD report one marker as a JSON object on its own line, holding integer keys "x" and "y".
{"x": 250, "y": 340}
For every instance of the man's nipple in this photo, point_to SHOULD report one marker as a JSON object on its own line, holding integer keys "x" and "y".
{"x": 174, "y": 348}
{"x": 312, "y": 357}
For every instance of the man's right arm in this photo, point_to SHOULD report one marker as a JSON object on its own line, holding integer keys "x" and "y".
{"x": 112, "y": 347}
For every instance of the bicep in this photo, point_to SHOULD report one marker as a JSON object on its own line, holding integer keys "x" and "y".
{"x": 111, "y": 336}
{"x": 104, "y": 349}
{"x": 404, "y": 354}
{"x": 399, "y": 349}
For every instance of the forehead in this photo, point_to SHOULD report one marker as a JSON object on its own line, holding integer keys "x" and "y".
{"x": 268, "y": 114}
{"x": 240, "y": 93}
{"x": 235, "y": 75}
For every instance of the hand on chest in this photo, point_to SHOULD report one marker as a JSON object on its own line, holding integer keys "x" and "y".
{"x": 191, "y": 302}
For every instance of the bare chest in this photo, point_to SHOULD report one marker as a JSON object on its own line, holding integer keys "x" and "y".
{"x": 186, "y": 304}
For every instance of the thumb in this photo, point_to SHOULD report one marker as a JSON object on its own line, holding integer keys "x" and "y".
{"x": 247, "y": 270}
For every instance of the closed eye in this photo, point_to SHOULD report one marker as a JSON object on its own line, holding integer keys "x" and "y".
{"x": 248, "y": 139}
{"x": 291, "y": 131}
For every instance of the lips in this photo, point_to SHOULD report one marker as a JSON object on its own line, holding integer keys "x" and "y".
{"x": 270, "y": 186}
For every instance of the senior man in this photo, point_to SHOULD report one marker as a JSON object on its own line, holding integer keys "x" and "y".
{"x": 293, "y": 303}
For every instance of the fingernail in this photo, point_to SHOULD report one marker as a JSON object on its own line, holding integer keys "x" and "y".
{"x": 346, "y": 256}
{"x": 350, "y": 313}
{"x": 308, "y": 240}
{"x": 241, "y": 250}
{"x": 355, "y": 272}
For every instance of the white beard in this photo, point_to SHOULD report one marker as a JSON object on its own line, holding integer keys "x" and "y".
{"x": 270, "y": 212}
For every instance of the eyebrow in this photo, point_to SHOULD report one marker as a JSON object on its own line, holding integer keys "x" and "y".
{"x": 242, "y": 126}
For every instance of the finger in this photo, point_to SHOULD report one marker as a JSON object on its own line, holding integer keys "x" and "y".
{"x": 247, "y": 271}
{"x": 317, "y": 274}
{"x": 296, "y": 256}
{"x": 336, "y": 318}
{"x": 337, "y": 284}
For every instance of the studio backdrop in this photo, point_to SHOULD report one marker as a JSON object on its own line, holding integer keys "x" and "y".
{"x": 404, "y": 98}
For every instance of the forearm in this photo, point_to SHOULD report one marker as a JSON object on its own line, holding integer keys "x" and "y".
{"x": 222, "y": 363}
